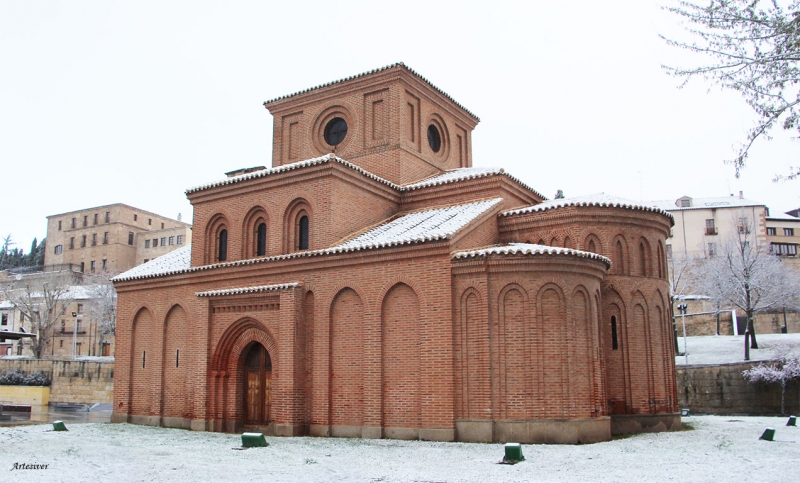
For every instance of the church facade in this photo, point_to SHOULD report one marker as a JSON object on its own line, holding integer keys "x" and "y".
{"x": 374, "y": 284}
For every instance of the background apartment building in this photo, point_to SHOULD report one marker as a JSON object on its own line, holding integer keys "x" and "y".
{"x": 106, "y": 238}
{"x": 783, "y": 236}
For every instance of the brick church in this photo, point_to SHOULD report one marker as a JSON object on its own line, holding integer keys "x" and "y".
{"x": 373, "y": 284}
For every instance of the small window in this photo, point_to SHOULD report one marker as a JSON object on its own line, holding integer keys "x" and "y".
{"x": 92, "y": 266}
{"x": 130, "y": 238}
{"x": 77, "y": 348}
{"x": 58, "y": 249}
{"x": 147, "y": 243}
{"x": 80, "y": 308}
{"x": 83, "y": 267}
{"x": 261, "y": 240}
{"x": 303, "y": 238}
{"x": 222, "y": 254}
{"x": 788, "y": 232}
{"x": 61, "y": 343}
{"x": 105, "y": 264}
{"x": 686, "y": 203}
{"x": 63, "y": 326}
{"x": 4, "y": 320}
{"x": 177, "y": 357}
{"x": 83, "y": 241}
{"x": 771, "y": 231}
{"x": 94, "y": 239}
{"x": 180, "y": 239}
{"x": 146, "y": 260}
{"x": 155, "y": 242}
{"x": 144, "y": 358}
{"x": 135, "y": 217}
{"x": 105, "y": 238}
{"x": 335, "y": 131}
{"x": 163, "y": 241}
{"x": 72, "y": 243}
{"x": 172, "y": 240}
{"x": 73, "y": 223}
{"x": 85, "y": 220}
{"x": 162, "y": 226}
{"x": 614, "y": 342}
{"x": 59, "y": 225}
{"x": 108, "y": 217}
{"x": 149, "y": 221}
{"x": 96, "y": 217}
{"x": 434, "y": 138}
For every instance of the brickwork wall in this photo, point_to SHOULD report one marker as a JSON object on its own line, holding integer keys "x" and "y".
{"x": 72, "y": 382}
{"x": 722, "y": 390}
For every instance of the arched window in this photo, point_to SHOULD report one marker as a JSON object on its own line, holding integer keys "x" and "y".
{"x": 614, "y": 343}
{"x": 222, "y": 253}
{"x": 619, "y": 258}
{"x": 592, "y": 247}
{"x": 261, "y": 240}
{"x": 642, "y": 260}
{"x": 302, "y": 238}
{"x": 567, "y": 242}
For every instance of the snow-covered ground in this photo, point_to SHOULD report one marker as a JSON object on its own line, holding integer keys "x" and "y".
{"x": 723, "y": 349}
{"x": 718, "y": 449}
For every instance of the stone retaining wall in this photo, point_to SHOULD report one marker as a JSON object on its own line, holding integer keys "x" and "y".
{"x": 721, "y": 389}
{"x": 72, "y": 381}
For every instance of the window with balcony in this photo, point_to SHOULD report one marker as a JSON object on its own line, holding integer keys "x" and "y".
{"x": 94, "y": 239}
{"x": 783, "y": 249}
{"x": 711, "y": 228}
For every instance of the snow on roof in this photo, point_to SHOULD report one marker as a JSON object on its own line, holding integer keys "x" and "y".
{"x": 705, "y": 203}
{"x": 289, "y": 167}
{"x": 6, "y": 304}
{"x": 597, "y": 199}
{"x": 173, "y": 262}
{"x": 435, "y": 224}
{"x": 460, "y": 174}
{"x": 783, "y": 217}
{"x": 241, "y": 290}
{"x": 416, "y": 227}
{"x": 374, "y": 71}
{"x": 530, "y": 249}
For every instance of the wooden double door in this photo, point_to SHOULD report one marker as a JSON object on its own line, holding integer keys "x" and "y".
{"x": 257, "y": 386}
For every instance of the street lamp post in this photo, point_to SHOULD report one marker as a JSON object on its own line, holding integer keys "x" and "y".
{"x": 75, "y": 333}
{"x": 682, "y": 309}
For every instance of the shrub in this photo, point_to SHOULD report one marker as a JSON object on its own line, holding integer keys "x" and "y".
{"x": 16, "y": 378}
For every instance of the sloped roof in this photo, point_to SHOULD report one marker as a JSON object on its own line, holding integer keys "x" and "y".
{"x": 172, "y": 262}
{"x": 374, "y": 71}
{"x": 416, "y": 227}
{"x": 597, "y": 199}
{"x": 783, "y": 217}
{"x": 530, "y": 249}
{"x": 706, "y": 203}
{"x": 289, "y": 167}
{"x": 461, "y": 174}
{"x": 241, "y": 290}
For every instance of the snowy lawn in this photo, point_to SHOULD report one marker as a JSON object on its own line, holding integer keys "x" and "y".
{"x": 723, "y": 349}
{"x": 718, "y": 449}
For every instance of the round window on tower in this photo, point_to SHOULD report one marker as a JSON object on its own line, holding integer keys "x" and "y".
{"x": 335, "y": 131}
{"x": 434, "y": 138}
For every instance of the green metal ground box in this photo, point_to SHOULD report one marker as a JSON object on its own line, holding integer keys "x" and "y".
{"x": 253, "y": 440}
{"x": 792, "y": 421}
{"x": 59, "y": 426}
{"x": 513, "y": 453}
{"x": 769, "y": 434}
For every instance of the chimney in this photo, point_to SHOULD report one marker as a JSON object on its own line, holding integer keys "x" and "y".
{"x": 741, "y": 195}
{"x": 179, "y": 217}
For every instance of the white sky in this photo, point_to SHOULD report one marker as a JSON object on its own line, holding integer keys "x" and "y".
{"x": 133, "y": 102}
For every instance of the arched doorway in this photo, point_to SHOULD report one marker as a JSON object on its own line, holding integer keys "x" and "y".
{"x": 257, "y": 386}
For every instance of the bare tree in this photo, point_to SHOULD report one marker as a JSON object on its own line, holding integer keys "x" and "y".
{"x": 783, "y": 369}
{"x": 751, "y": 47}
{"x": 746, "y": 275}
{"x": 102, "y": 306}
{"x": 42, "y": 309}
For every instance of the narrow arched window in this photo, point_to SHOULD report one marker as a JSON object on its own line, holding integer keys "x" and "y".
{"x": 303, "y": 238}
{"x": 592, "y": 247}
{"x": 261, "y": 240}
{"x": 614, "y": 343}
{"x": 223, "y": 246}
{"x": 619, "y": 258}
{"x": 642, "y": 260}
